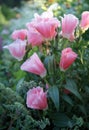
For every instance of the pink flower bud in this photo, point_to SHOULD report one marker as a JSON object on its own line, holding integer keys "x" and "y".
{"x": 36, "y": 98}
{"x": 34, "y": 65}
{"x": 19, "y": 34}
{"x": 67, "y": 58}
{"x": 66, "y": 91}
{"x": 69, "y": 23}
{"x": 17, "y": 49}
{"x": 84, "y": 24}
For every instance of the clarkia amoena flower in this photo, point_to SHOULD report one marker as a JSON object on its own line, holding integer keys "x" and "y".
{"x": 34, "y": 37}
{"x": 19, "y": 34}
{"x": 69, "y": 23}
{"x": 17, "y": 49}
{"x": 45, "y": 24}
{"x": 34, "y": 65}
{"x": 47, "y": 28}
{"x": 67, "y": 58}
{"x": 36, "y": 98}
{"x": 84, "y": 23}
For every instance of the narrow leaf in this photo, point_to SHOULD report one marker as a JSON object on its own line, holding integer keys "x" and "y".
{"x": 54, "y": 94}
{"x": 67, "y": 99}
{"x": 62, "y": 120}
{"x": 72, "y": 87}
{"x": 87, "y": 89}
{"x": 83, "y": 109}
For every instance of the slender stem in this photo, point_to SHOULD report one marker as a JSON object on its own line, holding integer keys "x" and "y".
{"x": 10, "y": 126}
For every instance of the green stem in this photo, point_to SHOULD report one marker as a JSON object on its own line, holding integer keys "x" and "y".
{"x": 10, "y": 126}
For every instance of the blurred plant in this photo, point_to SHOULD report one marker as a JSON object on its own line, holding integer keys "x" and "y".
{"x": 3, "y": 19}
{"x": 7, "y": 12}
{"x": 1, "y": 43}
{"x": 11, "y": 3}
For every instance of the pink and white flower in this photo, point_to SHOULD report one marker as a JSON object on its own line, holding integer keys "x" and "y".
{"x": 84, "y": 23}
{"x": 45, "y": 24}
{"x": 17, "y": 49}
{"x": 69, "y": 24}
{"x": 19, "y": 34}
{"x": 34, "y": 65}
{"x": 67, "y": 58}
{"x": 34, "y": 37}
{"x": 47, "y": 28}
{"x": 36, "y": 98}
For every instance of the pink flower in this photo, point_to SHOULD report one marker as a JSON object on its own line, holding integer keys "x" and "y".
{"x": 84, "y": 24}
{"x": 19, "y": 34}
{"x": 17, "y": 49}
{"x": 69, "y": 23}
{"x": 67, "y": 58}
{"x": 47, "y": 28}
{"x": 34, "y": 65}
{"x": 34, "y": 37}
{"x": 36, "y": 98}
{"x": 45, "y": 24}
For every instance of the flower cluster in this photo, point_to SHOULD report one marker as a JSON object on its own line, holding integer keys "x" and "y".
{"x": 42, "y": 32}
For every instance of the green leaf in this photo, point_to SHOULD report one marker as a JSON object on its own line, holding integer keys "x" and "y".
{"x": 19, "y": 74}
{"x": 54, "y": 94}
{"x": 61, "y": 120}
{"x": 31, "y": 51}
{"x": 87, "y": 89}
{"x": 78, "y": 121}
{"x": 83, "y": 109}
{"x": 67, "y": 99}
{"x": 72, "y": 87}
{"x": 19, "y": 82}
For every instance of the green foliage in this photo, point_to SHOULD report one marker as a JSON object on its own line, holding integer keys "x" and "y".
{"x": 11, "y": 3}
{"x": 54, "y": 95}
{"x": 67, "y": 99}
{"x": 2, "y": 17}
{"x": 61, "y": 120}
{"x": 71, "y": 86}
{"x": 23, "y": 86}
{"x": 7, "y": 12}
